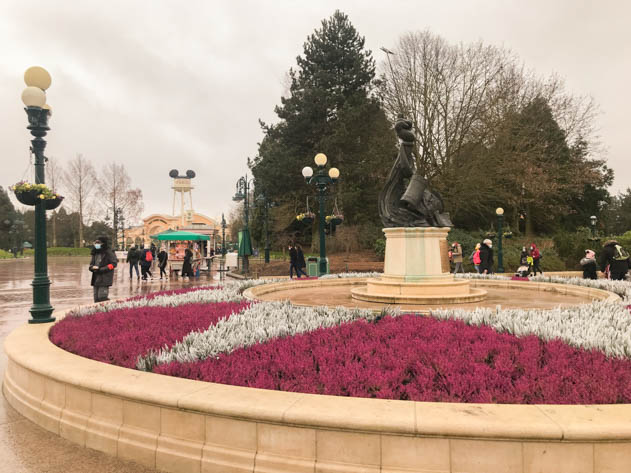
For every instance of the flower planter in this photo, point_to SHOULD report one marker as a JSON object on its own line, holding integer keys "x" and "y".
{"x": 337, "y": 220}
{"x": 52, "y": 204}
{"x": 307, "y": 220}
{"x": 29, "y": 197}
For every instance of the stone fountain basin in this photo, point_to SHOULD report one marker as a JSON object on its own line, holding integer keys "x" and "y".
{"x": 504, "y": 293}
{"x": 182, "y": 425}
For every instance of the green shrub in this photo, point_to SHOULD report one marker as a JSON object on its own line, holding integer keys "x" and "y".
{"x": 380, "y": 248}
{"x": 571, "y": 247}
{"x": 5, "y": 254}
{"x": 61, "y": 251}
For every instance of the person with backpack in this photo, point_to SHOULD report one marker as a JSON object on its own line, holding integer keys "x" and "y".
{"x": 133, "y": 257}
{"x": 145, "y": 262}
{"x": 616, "y": 258}
{"x": 536, "y": 258}
{"x": 102, "y": 263}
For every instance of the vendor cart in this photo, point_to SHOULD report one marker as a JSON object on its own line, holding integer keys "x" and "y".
{"x": 176, "y": 244}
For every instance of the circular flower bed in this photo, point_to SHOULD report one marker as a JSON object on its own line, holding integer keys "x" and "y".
{"x": 564, "y": 356}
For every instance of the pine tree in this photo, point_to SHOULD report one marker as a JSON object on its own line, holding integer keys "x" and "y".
{"x": 330, "y": 109}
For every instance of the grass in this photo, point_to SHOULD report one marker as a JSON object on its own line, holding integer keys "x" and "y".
{"x": 62, "y": 251}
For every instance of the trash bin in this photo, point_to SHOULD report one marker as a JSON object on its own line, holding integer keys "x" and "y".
{"x": 312, "y": 266}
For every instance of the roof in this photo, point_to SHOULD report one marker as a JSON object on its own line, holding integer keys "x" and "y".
{"x": 180, "y": 236}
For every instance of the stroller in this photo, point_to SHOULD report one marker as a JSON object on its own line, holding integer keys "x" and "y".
{"x": 525, "y": 267}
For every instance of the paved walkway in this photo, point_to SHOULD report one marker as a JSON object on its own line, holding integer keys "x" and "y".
{"x": 24, "y": 446}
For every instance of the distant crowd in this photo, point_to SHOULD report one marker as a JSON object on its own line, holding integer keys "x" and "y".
{"x": 614, "y": 261}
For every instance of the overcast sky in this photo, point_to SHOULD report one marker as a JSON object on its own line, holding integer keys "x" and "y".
{"x": 158, "y": 85}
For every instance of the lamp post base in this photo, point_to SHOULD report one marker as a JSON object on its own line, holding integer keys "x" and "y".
{"x": 41, "y": 309}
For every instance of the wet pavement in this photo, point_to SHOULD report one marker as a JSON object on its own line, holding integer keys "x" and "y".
{"x": 24, "y": 446}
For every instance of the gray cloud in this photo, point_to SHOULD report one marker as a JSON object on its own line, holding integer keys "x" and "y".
{"x": 157, "y": 85}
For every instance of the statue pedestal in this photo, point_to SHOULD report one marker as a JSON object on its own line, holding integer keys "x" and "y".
{"x": 416, "y": 271}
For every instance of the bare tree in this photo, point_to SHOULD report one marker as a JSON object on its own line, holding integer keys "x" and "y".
{"x": 457, "y": 95}
{"x": 79, "y": 180}
{"x": 118, "y": 196}
{"x": 54, "y": 177}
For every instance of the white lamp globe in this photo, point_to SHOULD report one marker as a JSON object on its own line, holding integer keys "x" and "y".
{"x": 307, "y": 172}
{"x": 320, "y": 159}
{"x": 37, "y": 77}
{"x": 334, "y": 173}
{"x": 34, "y": 97}
{"x": 499, "y": 211}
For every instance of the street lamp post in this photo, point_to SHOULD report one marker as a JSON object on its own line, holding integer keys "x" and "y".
{"x": 500, "y": 255}
{"x": 38, "y": 80}
{"x": 321, "y": 181}
{"x": 223, "y": 236}
{"x": 266, "y": 206}
{"x": 242, "y": 193}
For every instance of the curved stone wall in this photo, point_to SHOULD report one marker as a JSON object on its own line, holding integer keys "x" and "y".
{"x": 181, "y": 425}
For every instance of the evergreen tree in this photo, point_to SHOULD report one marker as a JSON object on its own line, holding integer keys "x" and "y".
{"x": 330, "y": 109}
{"x": 7, "y": 214}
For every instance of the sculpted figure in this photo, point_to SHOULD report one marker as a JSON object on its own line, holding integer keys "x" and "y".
{"x": 406, "y": 200}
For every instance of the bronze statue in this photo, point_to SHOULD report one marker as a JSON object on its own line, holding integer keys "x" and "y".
{"x": 410, "y": 204}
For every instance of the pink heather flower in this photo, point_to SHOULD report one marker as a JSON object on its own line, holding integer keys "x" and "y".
{"x": 120, "y": 336}
{"x": 421, "y": 359}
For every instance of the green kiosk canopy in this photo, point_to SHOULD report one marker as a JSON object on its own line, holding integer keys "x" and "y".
{"x": 180, "y": 236}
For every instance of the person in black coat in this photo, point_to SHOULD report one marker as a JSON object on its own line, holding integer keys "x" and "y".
{"x": 618, "y": 264}
{"x": 589, "y": 264}
{"x": 102, "y": 263}
{"x": 300, "y": 261}
{"x": 145, "y": 265}
{"x": 486, "y": 257}
{"x": 133, "y": 256}
{"x": 293, "y": 262}
{"x": 187, "y": 266}
{"x": 163, "y": 257}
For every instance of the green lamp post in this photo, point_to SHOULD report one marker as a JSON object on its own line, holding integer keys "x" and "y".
{"x": 242, "y": 193}
{"x": 223, "y": 236}
{"x": 38, "y": 80}
{"x": 267, "y": 204}
{"x": 321, "y": 181}
{"x": 500, "y": 255}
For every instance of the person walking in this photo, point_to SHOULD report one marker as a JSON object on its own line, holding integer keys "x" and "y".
{"x": 154, "y": 252}
{"x": 590, "y": 265}
{"x": 475, "y": 258}
{"x": 133, "y": 257}
{"x": 102, "y": 263}
{"x": 456, "y": 254}
{"x": 300, "y": 261}
{"x": 536, "y": 258}
{"x": 616, "y": 258}
{"x": 187, "y": 266}
{"x": 486, "y": 257}
{"x": 145, "y": 262}
{"x": 163, "y": 257}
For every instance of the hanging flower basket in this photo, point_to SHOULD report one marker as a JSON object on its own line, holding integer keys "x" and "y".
{"x": 30, "y": 194}
{"x": 52, "y": 204}
{"x": 29, "y": 197}
{"x": 508, "y": 234}
{"x": 306, "y": 218}
{"x": 335, "y": 219}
